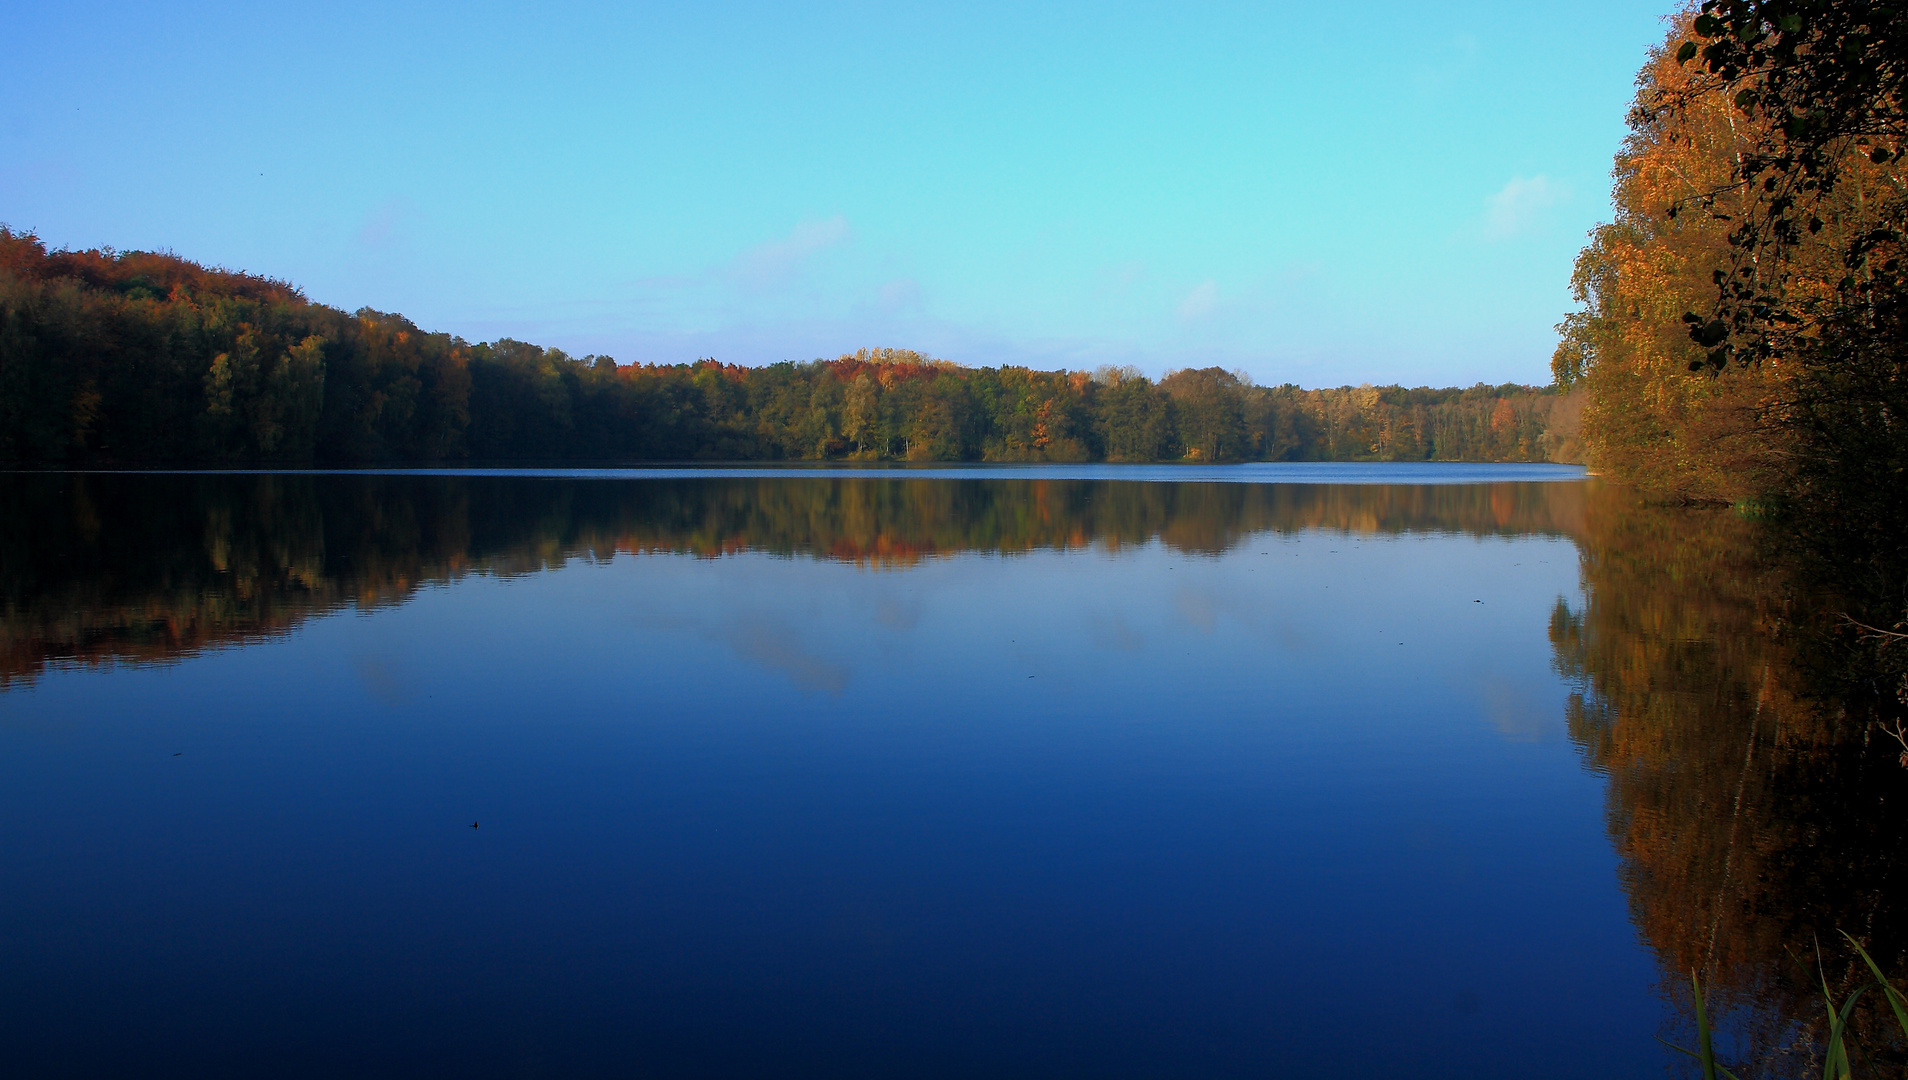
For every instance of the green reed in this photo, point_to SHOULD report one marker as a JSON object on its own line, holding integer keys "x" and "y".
{"x": 1835, "y": 1062}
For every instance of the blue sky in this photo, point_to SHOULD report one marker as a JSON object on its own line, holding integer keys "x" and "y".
{"x": 1320, "y": 194}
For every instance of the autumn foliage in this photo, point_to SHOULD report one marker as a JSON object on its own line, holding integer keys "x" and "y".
{"x": 131, "y": 358}
{"x": 1649, "y": 422}
{"x": 1741, "y": 318}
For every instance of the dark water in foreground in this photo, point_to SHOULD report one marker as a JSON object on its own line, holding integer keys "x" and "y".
{"x": 860, "y": 776}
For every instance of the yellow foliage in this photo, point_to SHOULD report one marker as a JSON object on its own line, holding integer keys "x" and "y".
{"x": 1651, "y": 421}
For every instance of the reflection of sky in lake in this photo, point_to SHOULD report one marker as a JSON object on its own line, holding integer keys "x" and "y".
{"x": 1304, "y": 806}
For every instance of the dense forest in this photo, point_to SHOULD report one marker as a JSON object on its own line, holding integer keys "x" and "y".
{"x": 134, "y": 358}
{"x": 1742, "y": 335}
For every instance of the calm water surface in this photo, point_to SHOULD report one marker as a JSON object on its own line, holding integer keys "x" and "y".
{"x": 1006, "y": 774}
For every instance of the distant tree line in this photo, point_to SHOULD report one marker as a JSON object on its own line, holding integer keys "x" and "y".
{"x": 135, "y": 358}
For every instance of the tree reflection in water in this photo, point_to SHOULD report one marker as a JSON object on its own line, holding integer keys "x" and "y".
{"x": 98, "y": 568}
{"x": 1753, "y": 805}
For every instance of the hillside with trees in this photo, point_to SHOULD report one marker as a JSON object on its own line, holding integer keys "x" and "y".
{"x": 139, "y": 359}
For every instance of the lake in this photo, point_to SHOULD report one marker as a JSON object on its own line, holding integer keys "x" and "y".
{"x": 1439, "y": 771}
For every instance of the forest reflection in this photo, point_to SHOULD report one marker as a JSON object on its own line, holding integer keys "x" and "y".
{"x": 1752, "y": 798}
{"x": 1752, "y": 801}
{"x": 99, "y": 568}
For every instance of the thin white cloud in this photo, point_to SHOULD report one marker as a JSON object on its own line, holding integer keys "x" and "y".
{"x": 774, "y": 264}
{"x": 1521, "y": 206}
{"x": 898, "y": 294}
{"x": 1118, "y": 279}
{"x": 1201, "y": 302}
{"x": 1443, "y": 65}
{"x": 388, "y": 224}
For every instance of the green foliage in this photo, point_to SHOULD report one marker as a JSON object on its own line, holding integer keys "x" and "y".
{"x": 139, "y": 359}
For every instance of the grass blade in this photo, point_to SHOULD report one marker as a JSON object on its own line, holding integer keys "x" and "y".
{"x": 1705, "y": 1040}
{"x": 1720, "y": 1070}
{"x": 1705, "y": 1043}
{"x": 1835, "y": 1058}
{"x": 1895, "y": 1000}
